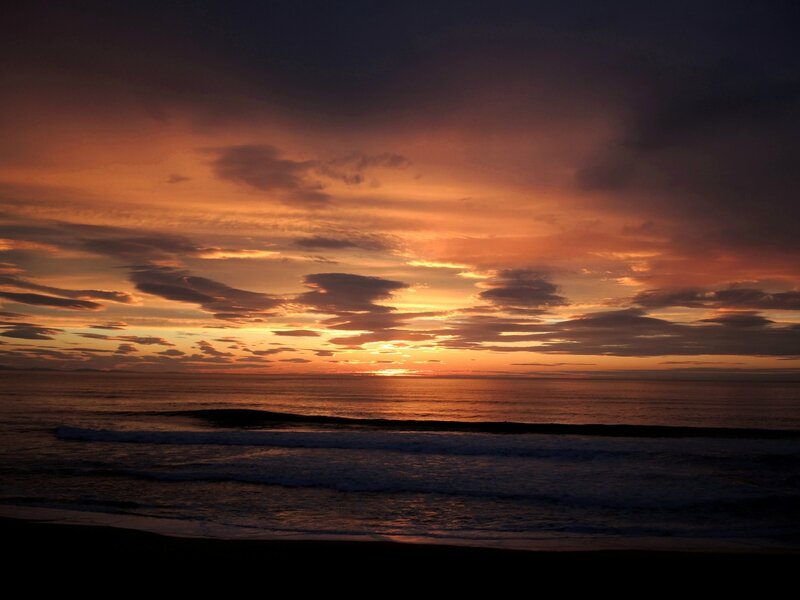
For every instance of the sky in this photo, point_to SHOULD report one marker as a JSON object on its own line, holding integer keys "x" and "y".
{"x": 435, "y": 188}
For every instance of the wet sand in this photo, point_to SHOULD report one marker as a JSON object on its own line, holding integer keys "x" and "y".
{"x": 81, "y": 547}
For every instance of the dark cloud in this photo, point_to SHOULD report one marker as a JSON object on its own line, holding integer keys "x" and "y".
{"x": 362, "y": 162}
{"x": 554, "y": 364}
{"x": 382, "y": 335}
{"x": 633, "y": 333}
{"x": 134, "y": 339}
{"x": 345, "y": 292}
{"x": 261, "y": 167}
{"x": 171, "y": 352}
{"x": 471, "y": 331}
{"x": 318, "y": 258}
{"x": 209, "y": 350}
{"x": 270, "y": 351}
{"x": 11, "y": 315}
{"x": 255, "y": 360}
{"x": 327, "y": 243}
{"x": 398, "y": 62}
{"x": 96, "y": 336}
{"x": 344, "y": 242}
{"x": 365, "y": 321}
{"x": 295, "y": 360}
{"x": 134, "y": 246}
{"x": 28, "y": 331}
{"x": 382, "y": 325}
{"x": 20, "y": 283}
{"x": 126, "y": 349}
{"x": 352, "y": 169}
{"x": 33, "y": 356}
{"x": 739, "y": 319}
{"x": 523, "y": 289}
{"x": 38, "y": 354}
{"x": 345, "y": 66}
{"x": 87, "y": 350}
{"x": 714, "y": 148}
{"x": 214, "y": 297}
{"x": 140, "y": 248}
{"x": 51, "y": 301}
{"x": 177, "y": 178}
{"x": 9, "y": 268}
{"x": 736, "y": 297}
{"x": 145, "y": 340}
{"x": 296, "y": 333}
{"x": 352, "y": 299}
{"x": 323, "y": 352}
{"x": 111, "y": 325}
{"x": 699, "y": 362}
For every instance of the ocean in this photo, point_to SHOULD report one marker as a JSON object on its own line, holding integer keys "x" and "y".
{"x": 630, "y": 464}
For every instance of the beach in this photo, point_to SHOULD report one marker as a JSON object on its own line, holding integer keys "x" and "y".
{"x": 103, "y": 547}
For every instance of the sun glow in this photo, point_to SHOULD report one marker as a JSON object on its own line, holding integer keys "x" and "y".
{"x": 394, "y": 372}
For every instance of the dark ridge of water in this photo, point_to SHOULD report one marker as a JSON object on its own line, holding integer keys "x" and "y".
{"x": 783, "y": 507}
{"x": 97, "y": 503}
{"x": 240, "y": 417}
{"x": 421, "y": 443}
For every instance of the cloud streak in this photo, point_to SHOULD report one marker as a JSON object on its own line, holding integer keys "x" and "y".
{"x": 24, "y": 284}
{"x": 28, "y": 331}
{"x": 632, "y": 333}
{"x": 223, "y": 301}
{"x": 50, "y": 301}
{"x": 735, "y": 298}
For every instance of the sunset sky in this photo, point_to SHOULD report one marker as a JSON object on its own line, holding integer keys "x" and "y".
{"x": 530, "y": 188}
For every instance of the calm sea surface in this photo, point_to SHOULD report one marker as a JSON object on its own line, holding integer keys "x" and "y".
{"x": 125, "y": 448}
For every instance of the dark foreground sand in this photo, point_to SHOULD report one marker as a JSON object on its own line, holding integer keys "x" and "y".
{"x": 91, "y": 549}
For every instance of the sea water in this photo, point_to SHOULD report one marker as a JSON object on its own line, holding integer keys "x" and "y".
{"x": 703, "y": 465}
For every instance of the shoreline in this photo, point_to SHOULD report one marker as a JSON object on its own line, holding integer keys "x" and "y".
{"x": 159, "y": 534}
{"x": 182, "y": 529}
{"x": 67, "y": 547}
